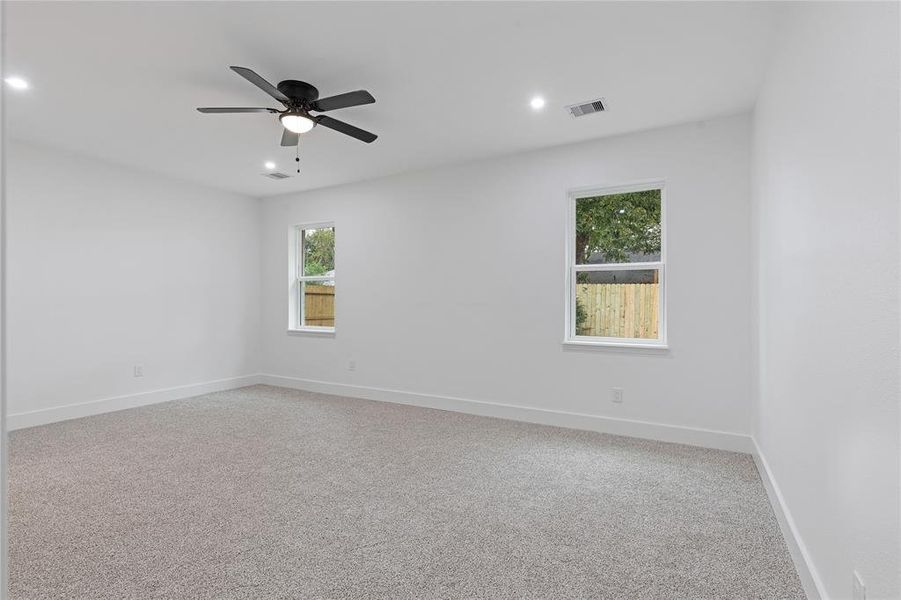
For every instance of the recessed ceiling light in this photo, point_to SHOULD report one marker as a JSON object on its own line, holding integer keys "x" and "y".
{"x": 17, "y": 83}
{"x": 269, "y": 165}
{"x": 537, "y": 103}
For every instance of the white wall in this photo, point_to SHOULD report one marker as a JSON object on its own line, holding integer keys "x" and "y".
{"x": 826, "y": 214}
{"x": 451, "y": 281}
{"x": 111, "y": 268}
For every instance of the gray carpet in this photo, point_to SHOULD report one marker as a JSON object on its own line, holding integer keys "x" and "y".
{"x": 271, "y": 493}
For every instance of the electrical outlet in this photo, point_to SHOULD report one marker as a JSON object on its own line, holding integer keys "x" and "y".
{"x": 858, "y": 589}
{"x": 617, "y": 395}
{"x": 352, "y": 365}
{"x": 139, "y": 370}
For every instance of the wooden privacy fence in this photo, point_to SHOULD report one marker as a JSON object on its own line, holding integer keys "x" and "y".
{"x": 624, "y": 310}
{"x": 319, "y": 305}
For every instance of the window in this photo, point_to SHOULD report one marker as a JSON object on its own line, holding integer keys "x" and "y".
{"x": 616, "y": 269}
{"x": 312, "y": 286}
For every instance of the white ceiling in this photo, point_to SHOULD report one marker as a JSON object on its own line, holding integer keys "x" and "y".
{"x": 452, "y": 81}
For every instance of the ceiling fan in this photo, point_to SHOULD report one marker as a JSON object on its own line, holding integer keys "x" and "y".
{"x": 299, "y": 99}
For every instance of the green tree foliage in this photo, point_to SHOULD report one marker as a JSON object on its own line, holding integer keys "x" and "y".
{"x": 618, "y": 225}
{"x": 581, "y": 317}
{"x": 318, "y": 251}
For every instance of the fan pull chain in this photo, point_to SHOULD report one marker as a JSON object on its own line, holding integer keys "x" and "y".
{"x": 297, "y": 156}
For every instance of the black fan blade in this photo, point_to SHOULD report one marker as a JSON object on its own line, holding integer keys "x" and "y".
{"x": 261, "y": 83}
{"x": 343, "y": 101}
{"x": 237, "y": 110}
{"x": 289, "y": 138}
{"x": 346, "y": 129}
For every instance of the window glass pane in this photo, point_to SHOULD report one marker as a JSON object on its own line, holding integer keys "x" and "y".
{"x": 618, "y": 228}
{"x": 318, "y": 303}
{"x": 618, "y": 304}
{"x": 319, "y": 251}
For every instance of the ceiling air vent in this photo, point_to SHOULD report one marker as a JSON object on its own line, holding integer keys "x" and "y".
{"x": 586, "y": 108}
{"x": 276, "y": 175}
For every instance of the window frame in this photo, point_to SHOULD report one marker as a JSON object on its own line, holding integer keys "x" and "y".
{"x": 296, "y": 278}
{"x": 570, "y": 337}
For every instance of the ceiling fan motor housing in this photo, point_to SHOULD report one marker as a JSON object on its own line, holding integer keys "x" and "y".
{"x": 300, "y": 92}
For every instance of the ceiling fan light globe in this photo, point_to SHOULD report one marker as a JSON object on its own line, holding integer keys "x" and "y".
{"x": 296, "y": 123}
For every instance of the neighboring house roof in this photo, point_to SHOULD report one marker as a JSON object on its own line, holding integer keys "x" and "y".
{"x": 634, "y": 257}
{"x": 645, "y": 276}
{"x": 637, "y": 276}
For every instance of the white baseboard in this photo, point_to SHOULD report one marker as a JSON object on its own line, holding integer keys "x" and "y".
{"x": 810, "y": 578}
{"x": 104, "y": 405}
{"x": 706, "y": 438}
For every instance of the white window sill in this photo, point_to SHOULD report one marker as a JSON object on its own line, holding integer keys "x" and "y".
{"x": 328, "y": 331}
{"x": 616, "y": 344}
